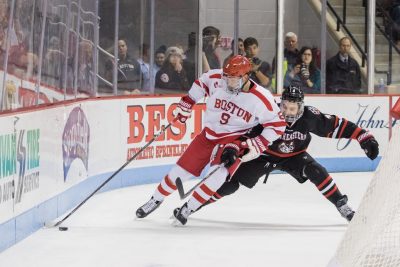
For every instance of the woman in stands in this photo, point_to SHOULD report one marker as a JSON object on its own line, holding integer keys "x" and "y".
{"x": 305, "y": 73}
{"x": 172, "y": 75}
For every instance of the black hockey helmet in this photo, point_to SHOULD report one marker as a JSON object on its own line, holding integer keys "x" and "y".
{"x": 293, "y": 94}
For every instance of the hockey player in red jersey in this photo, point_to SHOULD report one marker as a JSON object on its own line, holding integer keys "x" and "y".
{"x": 289, "y": 152}
{"x": 235, "y": 104}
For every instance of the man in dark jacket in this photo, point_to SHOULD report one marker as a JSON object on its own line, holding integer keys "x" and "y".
{"x": 343, "y": 75}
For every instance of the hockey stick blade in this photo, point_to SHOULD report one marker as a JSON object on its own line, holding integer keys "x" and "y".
{"x": 179, "y": 184}
{"x": 51, "y": 224}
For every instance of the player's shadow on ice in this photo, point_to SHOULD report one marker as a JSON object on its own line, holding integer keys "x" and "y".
{"x": 207, "y": 223}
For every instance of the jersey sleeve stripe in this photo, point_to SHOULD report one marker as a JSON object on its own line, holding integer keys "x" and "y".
{"x": 336, "y": 121}
{"x": 203, "y": 86}
{"x": 343, "y": 127}
{"x": 355, "y": 133}
{"x": 278, "y": 132}
{"x": 262, "y": 98}
{"x": 334, "y": 135}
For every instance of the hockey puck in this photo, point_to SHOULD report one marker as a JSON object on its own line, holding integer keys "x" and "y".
{"x": 63, "y": 228}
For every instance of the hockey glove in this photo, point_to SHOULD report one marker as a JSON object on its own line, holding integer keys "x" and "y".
{"x": 230, "y": 154}
{"x": 369, "y": 144}
{"x": 256, "y": 146}
{"x": 184, "y": 108}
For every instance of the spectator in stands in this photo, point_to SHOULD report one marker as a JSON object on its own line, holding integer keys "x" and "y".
{"x": 86, "y": 68}
{"x": 260, "y": 70}
{"x": 172, "y": 75}
{"x": 343, "y": 75}
{"x": 304, "y": 73}
{"x": 129, "y": 74}
{"x": 145, "y": 67}
{"x": 290, "y": 53}
{"x": 159, "y": 58}
{"x": 211, "y": 39}
{"x": 240, "y": 48}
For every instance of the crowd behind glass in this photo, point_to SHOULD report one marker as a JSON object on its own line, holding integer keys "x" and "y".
{"x": 57, "y": 49}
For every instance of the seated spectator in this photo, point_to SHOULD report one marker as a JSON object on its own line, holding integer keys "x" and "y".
{"x": 172, "y": 75}
{"x": 343, "y": 75}
{"x": 233, "y": 47}
{"x": 129, "y": 74}
{"x": 211, "y": 59}
{"x": 305, "y": 73}
{"x": 260, "y": 70}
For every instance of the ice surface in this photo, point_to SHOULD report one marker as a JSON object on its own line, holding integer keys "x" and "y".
{"x": 280, "y": 224}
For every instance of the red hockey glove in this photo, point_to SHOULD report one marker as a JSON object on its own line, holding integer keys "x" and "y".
{"x": 256, "y": 146}
{"x": 184, "y": 108}
{"x": 369, "y": 144}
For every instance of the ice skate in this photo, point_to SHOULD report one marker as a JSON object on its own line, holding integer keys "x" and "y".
{"x": 181, "y": 214}
{"x": 344, "y": 209}
{"x": 148, "y": 208}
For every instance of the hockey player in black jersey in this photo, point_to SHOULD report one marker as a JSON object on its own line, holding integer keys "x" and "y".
{"x": 288, "y": 153}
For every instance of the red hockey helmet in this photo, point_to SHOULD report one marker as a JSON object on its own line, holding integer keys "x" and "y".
{"x": 237, "y": 66}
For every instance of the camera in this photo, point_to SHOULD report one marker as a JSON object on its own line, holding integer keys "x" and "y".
{"x": 256, "y": 60}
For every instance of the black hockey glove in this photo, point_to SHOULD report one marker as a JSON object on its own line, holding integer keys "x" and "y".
{"x": 229, "y": 155}
{"x": 369, "y": 144}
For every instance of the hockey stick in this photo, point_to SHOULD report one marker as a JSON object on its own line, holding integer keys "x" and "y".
{"x": 179, "y": 184}
{"x": 112, "y": 176}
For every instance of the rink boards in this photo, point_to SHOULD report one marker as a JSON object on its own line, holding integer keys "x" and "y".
{"x": 52, "y": 158}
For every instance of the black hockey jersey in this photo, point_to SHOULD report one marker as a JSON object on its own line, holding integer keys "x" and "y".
{"x": 297, "y": 136}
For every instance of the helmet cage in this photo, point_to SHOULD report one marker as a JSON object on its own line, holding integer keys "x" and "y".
{"x": 233, "y": 84}
{"x": 291, "y": 118}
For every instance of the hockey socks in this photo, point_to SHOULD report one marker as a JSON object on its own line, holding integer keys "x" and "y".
{"x": 329, "y": 189}
{"x": 164, "y": 189}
